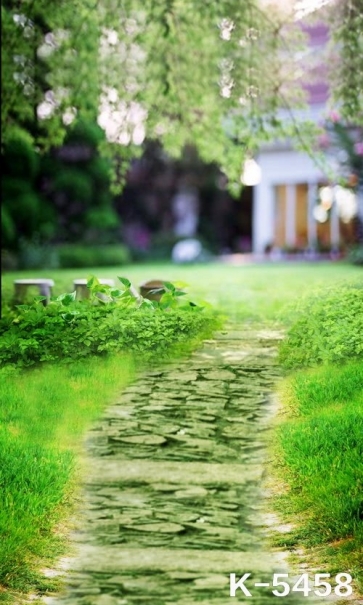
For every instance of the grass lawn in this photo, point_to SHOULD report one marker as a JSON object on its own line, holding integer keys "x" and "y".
{"x": 46, "y": 410}
{"x": 44, "y": 414}
{"x": 259, "y": 292}
{"x": 320, "y": 450}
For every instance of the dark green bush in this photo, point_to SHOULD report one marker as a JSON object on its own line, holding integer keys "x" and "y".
{"x": 33, "y": 254}
{"x": 7, "y": 227}
{"x": 328, "y": 329}
{"x": 75, "y": 184}
{"x": 355, "y": 255}
{"x": 103, "y": 218}
{"x": 20, "y": 159}
{"x": 74, "y": 255}
{"x": 89, "y": 133}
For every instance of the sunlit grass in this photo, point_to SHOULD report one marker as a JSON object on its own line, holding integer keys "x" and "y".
{"x": 43, "y": 417}
{"x": 260, "y": 292}
{"x": 320, "y": 446}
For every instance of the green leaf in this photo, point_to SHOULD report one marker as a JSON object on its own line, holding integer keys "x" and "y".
{"x": 126, "y": 282}
{"x": 169, "y": 286}
{"x": 92, "y": 282}
{"x": 116, "y": 293}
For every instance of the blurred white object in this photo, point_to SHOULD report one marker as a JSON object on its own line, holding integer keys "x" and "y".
{"x": 186, "y": 251}
{"x": 185, "y": 206}
{"x": 320, "y": 214}
{"x": 251, "y": 174}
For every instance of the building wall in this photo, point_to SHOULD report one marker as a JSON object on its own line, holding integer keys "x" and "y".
{"x": 284, "y": 198}
{"x": 283, "y": 201}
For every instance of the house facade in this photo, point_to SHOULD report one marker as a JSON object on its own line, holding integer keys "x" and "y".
{"x": 284, "y": 200}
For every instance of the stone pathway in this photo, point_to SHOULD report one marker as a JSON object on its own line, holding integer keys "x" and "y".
{"x": 172, "y": 503}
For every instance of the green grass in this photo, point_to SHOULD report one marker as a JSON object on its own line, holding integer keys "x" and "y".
{"x": 43, "y": 416}
{"x": 321, "y": 451}
{"x": 259, "y": 292}
{"x": 45, "y": 411}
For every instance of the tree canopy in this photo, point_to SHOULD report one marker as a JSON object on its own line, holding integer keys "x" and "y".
{"x": 212, "y": 73}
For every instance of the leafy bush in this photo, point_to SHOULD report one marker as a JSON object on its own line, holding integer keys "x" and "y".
{"x": 33, "y": 254}
{"x": 330, "y": 329}
{"x": 77, "y": 255}
{"x": 75, "y": 184}
{"x": 355, "y": 255}
{"x": 122, "y": 320}
{"x": 20, "y": 158}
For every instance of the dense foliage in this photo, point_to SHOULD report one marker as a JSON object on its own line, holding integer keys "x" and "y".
{"x": 120, "y": 320}
{"x": 61, "y": 195}
{"x": 329, "y": 329}
{"x": 213, "y": 74}
{"x": 347, "y": 68}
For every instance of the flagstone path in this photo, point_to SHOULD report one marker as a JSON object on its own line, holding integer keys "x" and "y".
{"x": 173, "y": 500}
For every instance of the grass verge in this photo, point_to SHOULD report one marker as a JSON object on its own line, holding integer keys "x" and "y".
{"x": 44, "y": 414}
{"x": 320, "y": 453}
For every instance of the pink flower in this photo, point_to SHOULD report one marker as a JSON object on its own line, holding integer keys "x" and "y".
{"x": 334, "y": 116}
{"x": 323, "y": 140}
{"x": 358, "y": 148}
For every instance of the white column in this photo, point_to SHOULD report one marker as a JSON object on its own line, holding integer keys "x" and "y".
{"x": 312, "y": 230}
{"x": 263, "y": 222}
{"x": 290, "y": 225}
{"x": 334, "y": 227}
{"x": 360, "y": 212}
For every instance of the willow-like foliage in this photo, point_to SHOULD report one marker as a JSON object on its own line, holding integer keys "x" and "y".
{"x": 211, "y": 73}
{"x": 347, "y": 76}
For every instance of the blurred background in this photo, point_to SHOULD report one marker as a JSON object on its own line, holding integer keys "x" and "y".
{"x": 294, "y": 199}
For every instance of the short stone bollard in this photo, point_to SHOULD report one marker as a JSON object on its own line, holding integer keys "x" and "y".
{"x": 80, "y": 286}
{"x": 44, "y": 286}
{"x": 146, "y": 289}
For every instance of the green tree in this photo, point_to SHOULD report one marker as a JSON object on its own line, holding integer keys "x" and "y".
{"x": 25, "y": 211}
{"x": 211, "y": 73}
{"x": 77, "y": 181}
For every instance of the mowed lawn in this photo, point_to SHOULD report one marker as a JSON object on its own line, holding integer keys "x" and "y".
{"x": 250, "y": 291}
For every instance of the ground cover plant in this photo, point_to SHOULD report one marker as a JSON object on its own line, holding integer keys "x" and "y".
{"x": 121, "y": 320}
{"x": 329, "y": 328}
{"x": 320, "y": 442}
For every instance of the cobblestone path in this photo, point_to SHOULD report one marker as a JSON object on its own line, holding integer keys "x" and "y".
{"x": 172, "y": 502}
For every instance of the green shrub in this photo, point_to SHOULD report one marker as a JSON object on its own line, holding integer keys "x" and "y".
{"x": 34, "y": 254}
{"x": 44, "y": 335}
{"x": 329, "y": 329}
{"x": 355, "y": 255}
{"x": 7, "y": 227}
{"x": 102, "y": 218}
{"x": 77, "y": 255}
{"x": 75, "y": 184}
{"x": 89, "y": 133}
{"x": 66, "y": 330}
{"x": 20, "y": 158}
